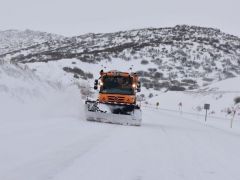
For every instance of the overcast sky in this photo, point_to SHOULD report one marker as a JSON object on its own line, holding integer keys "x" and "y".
{"x": 75, "y": 17}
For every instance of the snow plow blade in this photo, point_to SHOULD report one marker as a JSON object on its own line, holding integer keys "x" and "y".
{"x": 113, "y": 113}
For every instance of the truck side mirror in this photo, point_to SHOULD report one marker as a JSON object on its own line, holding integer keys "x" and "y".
{"x": 139, "y": 87}
{"x": 95, "y": 84}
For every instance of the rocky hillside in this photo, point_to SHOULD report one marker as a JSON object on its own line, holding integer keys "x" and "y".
{"x": 178, "y": 58}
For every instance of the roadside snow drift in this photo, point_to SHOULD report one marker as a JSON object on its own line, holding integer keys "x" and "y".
{"x": 25, "y": 95}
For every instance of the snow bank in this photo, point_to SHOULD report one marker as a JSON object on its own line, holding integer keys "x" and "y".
{"x": 24, "y": 95}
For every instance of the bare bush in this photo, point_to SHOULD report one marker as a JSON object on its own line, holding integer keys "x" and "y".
{"x": 144, "y": 62}
{"x": 237, "y": 100}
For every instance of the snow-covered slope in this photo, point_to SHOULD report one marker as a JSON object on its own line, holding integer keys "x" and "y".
{"x": 221, "y": 97}
{"x": 24, "y": 95}
{"x": 230, "y": 85}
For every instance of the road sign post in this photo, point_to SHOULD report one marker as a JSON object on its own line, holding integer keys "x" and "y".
{"x": 206, "y": 107}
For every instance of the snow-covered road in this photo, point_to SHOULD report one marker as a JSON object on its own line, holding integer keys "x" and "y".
{"x": 167, "y": 146}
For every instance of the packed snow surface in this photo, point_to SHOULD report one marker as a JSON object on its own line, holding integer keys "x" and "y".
{"x": 166, "y": 146}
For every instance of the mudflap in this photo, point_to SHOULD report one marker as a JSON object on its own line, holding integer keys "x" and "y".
{"x": 113, "y": 113}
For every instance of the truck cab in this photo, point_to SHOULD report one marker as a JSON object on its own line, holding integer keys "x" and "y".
{"x": 117, "y": 87}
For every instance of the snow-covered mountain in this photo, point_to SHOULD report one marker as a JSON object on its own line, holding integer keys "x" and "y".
{"x": 14, "y": 40}
{"x": 178, "y": 58}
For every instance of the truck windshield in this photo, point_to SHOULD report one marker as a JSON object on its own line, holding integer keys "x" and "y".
{"x": 117, "y": 85}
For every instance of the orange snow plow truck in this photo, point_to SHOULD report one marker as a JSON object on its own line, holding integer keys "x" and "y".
{"x": 116, "y": 101}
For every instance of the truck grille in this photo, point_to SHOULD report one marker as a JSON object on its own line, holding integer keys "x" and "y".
{"x": 118, "y": 99}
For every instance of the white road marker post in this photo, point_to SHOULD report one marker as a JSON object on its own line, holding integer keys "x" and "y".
{"x": 234, "y": 112}
{"x": 180, "y": 107}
